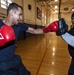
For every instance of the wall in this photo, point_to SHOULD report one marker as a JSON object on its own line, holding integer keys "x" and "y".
{"x": 66, "y": 16}
{"x": 20, "y": 2}
{"x": 30, "y": 16}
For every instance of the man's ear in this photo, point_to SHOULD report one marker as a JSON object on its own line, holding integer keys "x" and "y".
{"x": 11, "y": 12}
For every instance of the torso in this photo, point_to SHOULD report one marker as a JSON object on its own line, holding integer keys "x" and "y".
{"x": 9, "y": 51}
{"x": 70, "y": 48}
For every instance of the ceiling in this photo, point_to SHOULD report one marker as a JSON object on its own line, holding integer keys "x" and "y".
{"x": 64, "y": 6}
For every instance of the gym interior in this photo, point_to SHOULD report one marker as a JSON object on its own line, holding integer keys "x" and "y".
{"x": 45, "y": 54}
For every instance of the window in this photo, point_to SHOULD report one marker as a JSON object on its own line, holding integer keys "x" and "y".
{"x": 5, "y": 3}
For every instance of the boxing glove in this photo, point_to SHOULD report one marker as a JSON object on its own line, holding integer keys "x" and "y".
{"x": 60, "y": 27}
{"x": 51, "y": 27}
{"x": 6, "y": 35}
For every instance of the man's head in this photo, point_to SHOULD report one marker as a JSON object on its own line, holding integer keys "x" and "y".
{"x": 14, "y": 11}
{"x": 72, "y": 18}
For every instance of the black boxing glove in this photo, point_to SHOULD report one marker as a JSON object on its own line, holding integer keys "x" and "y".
{"x": 62, "y": 27}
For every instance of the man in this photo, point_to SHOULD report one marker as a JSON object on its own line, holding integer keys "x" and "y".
{"x": 69, "y": 38}
{"x": 11, "y": 64}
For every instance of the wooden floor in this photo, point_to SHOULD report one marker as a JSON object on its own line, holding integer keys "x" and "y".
{"x": 44, "y": 54}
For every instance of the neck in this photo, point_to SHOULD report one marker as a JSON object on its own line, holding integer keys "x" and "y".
{"x": 7, "y": 21}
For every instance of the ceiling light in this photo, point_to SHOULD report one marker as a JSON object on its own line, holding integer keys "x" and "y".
{"x": 56, "y": 0}
{"x": 56, "y": 11}
{"x": 56, "y": 7}
{"x": 73, "y": 9}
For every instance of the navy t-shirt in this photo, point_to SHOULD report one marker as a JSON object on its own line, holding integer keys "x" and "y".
{"x": 70, "y": 48}
{"x": 9, "y": 51}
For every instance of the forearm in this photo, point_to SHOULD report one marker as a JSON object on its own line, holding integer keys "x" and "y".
{"x": 35, "y": 31}
{"x": 38, "y": 31}
{"x": 68, "y": 38}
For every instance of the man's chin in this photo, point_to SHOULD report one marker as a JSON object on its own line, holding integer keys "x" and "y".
{"x": 16, "y": 23}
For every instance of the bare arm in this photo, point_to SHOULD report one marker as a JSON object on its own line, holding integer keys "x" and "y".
{"x": 35, "y": 31}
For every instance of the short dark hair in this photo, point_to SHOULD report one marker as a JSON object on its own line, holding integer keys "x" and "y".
{"x": 13, "y": 6}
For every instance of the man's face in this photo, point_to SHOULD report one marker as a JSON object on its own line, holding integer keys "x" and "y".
{"x": 17, "y": 16}
{"x": 72, "y": 20}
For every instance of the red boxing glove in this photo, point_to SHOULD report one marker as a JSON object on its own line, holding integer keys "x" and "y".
{"x": 52, "y": 27}
{"x": 6, "y": 35}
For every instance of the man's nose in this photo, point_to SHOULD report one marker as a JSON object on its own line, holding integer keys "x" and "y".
{"x": 21, "y": 18}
